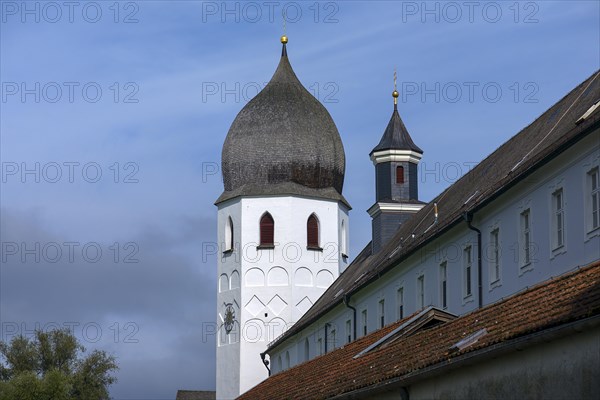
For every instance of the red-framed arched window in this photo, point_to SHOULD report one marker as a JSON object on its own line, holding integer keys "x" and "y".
{"x": 399, "y": 174}
{"x": 312, "y": 231}
{"x": 267, "y": 230}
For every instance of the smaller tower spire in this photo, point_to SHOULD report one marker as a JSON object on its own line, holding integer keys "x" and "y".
{"x": 396, "y": 158}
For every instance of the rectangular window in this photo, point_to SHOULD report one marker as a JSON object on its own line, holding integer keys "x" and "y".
{"x": 558, "y": 215}
{"x": 364, "y": 322}
{"x": 421, "y": 291}
{"x": 495, "y": 255}
{"x": 444, "y": 284}
{"x": 467, "y": 266}
{"x": 320, "y": 345}
{"x": 333, "y": 339}
{"x": 348, "y": 331}
{"x": 525, "y": 248}
{"x": 594, "y": 198}
{"x": 382, "y": 313}
{"x": 400, "y": 302}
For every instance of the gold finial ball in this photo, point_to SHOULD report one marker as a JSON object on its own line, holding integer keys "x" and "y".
{"x": 284, "y": 39}
{"x": 395, "y": 94}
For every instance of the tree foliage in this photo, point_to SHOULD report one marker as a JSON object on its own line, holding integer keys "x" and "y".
{"x": 52, "y": 366}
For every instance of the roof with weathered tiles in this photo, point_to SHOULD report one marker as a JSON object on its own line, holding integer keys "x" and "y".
{"x": 542, "y": 140}
{"x": 571, "y": 297}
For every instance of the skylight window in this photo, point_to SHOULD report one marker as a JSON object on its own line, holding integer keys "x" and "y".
{"x": 589, "y": 112}
{"x": 468, "y": 341}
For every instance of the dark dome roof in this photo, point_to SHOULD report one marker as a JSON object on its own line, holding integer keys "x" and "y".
{"x": 283, "y": 142}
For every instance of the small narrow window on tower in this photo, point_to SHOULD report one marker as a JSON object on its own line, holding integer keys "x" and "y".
{"x": 312, "y": 232}
{"x": 229, "y": 235}
{"x": 399, "y": 174}
{"x": 267, "y": 230}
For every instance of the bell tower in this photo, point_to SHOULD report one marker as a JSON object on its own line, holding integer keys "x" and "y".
{"x": 282, "y": 223}
{"x": 395, "y": 158}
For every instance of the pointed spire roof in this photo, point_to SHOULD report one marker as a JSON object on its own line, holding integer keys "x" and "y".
{"x": 396, "y": 136}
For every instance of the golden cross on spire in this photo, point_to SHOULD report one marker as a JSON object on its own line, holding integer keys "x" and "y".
{"x": 395, "y": 93}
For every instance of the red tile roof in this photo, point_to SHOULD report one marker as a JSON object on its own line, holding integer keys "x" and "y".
{"x": 571, "y": 297}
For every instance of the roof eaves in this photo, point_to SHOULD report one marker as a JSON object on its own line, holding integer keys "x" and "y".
{"x": 471, "y": 357}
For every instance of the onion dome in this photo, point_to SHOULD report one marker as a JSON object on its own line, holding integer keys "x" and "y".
{"x": 283, "y": 142}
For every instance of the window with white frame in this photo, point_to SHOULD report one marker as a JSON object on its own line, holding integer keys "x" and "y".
{"x": 467, "y": 267}
{"x": 420, "y": 291}
{"x": 444, "y": 284}
{"x": 400, "y": 302}
{"x": 593, "y": 178}
{"x": 558, "y": 219}
{"x": 525, "y": 238}
{"x": 364, "y": 321}
{"x": 348, "y": 331}
{"x": 494, "y": 253}
{"x": 381, "y": 313}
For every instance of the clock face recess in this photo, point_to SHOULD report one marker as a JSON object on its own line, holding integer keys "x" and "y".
{"x": 229, "y": 317}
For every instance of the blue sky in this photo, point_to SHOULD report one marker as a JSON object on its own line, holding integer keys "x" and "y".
{"x": 172, "y": 76}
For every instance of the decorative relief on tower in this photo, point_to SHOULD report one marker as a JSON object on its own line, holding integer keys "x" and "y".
{"x": 324, "y": 279}
{"x": 223, "y": 283}
{"x": 234, "y": 282}
{"x": 255, "y": 331}
{"x": 304, "y": 305}
{"x": 276, "y": 327}
{"x": 254, "y": 306}
{"x": 276, "y": 305}
{"x": 303, "y": 277}
{"x": 254, "y": 277}
{"x": 278, "y": 277}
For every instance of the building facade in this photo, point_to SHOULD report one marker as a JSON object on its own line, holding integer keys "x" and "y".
{"x": 525, "y": 214}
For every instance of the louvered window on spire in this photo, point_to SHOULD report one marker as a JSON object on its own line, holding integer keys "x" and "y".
{"x": 267, "y": 230}
{"x": 312, "y": 232}
{"x": 399, "y": 174}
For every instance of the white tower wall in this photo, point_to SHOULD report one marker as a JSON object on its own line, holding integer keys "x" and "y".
{"x": 277, "y": 286}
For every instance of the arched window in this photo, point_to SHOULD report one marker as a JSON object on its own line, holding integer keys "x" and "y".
{"x": 267, "y": 230}
{"x": 312, "y": 232}
{"x": 229, "y": 234}
{"x": 399, "y": 174}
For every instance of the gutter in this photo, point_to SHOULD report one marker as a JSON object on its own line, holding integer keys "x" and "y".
{"x": 347, "y": 304}
{"x": 470, "y": 358}
{"x": 469, "y": 218}
{"x": 265, "y": 361}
